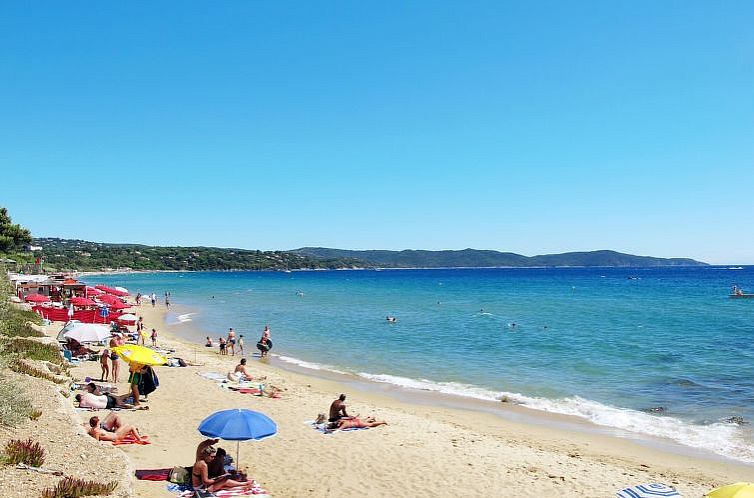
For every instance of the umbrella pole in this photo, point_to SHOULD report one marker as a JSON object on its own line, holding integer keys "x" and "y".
{"x": 238, "y": 466}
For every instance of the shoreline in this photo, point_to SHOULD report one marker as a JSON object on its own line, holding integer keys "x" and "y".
{"x": 557, "y": 435}
{"x": 509, "y": 410}
{"x": 429, "y": 448}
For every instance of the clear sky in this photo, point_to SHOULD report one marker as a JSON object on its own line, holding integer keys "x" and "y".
{"x": 532, "y": 127}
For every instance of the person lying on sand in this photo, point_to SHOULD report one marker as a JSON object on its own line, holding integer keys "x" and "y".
{"x": 105, "y": 401}
{"x": 201, "y": 480}
{"x": 355, "y": 423}
{"x": 101, "y": 432}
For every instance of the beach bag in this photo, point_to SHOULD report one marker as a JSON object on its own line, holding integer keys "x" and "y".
{"x": 180, "y": 475}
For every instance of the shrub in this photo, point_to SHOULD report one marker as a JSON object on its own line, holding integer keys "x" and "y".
{"x": 29, "y": 452}
{"x": 15, "y": 407}
{"x": 70, "y": 487}
{"x": 32, "y": 350}
{"x": 24, "y": 368}
{"x": 35, "y": 414}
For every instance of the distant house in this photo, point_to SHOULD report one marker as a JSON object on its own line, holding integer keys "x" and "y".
{"x": 31, "y": 248}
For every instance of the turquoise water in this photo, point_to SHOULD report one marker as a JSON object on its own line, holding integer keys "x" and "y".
{"x": 603, "y": 344}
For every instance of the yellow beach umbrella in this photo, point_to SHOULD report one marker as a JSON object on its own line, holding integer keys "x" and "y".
{"x": 132, "y": 353}
{"x": 737, "y": 490}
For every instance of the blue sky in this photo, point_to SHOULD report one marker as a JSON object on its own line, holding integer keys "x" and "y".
{"x": 532, "y": 127}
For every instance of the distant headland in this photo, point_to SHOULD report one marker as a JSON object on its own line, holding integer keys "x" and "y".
{"x": 80, "y": 255}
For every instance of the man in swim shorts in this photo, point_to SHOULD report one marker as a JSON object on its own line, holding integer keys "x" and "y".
{"x": 102, "y": 402}
{"x": 338, "y": 409}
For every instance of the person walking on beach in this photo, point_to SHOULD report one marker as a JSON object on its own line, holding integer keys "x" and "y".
{"x": 154, "y": 299}
{"x": 232, "y": 341}
{"x": 240, "y": 345}
{"x": 154, "y": 338}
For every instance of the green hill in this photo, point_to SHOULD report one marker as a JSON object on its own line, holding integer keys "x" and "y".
{"x": 470, "y": 258}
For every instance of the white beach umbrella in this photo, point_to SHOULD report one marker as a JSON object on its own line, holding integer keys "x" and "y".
{"x": 88, "y": 332}
{"x": 128, "y": 317}
{"x": 122, "y": 289}
{"x": 652, "y": 490}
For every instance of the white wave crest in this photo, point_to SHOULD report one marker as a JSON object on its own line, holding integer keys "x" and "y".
{"x": 720, "y": 438}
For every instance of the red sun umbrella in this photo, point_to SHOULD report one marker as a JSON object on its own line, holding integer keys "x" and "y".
{"x": 82, "y": 301}
{"x": 116, "y": 292}
{"x": 37, "y": 298}
{"x": 108, "y": 299}
{"x": 93, "y": 292}
{"x": 117, "y": 305}
{"x": 69, "y": 281}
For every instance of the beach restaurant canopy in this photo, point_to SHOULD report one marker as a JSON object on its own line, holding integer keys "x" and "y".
{"x": 82, "y": 301}
{"x": 112, "y": 290}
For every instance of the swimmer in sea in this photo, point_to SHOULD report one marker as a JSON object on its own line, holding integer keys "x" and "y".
{"x": 391, "y": 319}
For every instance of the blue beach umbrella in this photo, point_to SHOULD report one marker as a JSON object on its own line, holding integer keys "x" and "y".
{"x": 648, "y": 491}
{"x": 238, "y": 425}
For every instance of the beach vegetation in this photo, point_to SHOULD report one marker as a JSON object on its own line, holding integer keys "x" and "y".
{"x": 28, "y": 452}
{"x": 31, "y": 349}
{"x": 35, "y": 414}
{"x": 23, "y": 367}
{"x": 15, "y": 406}
{"x": 70, "y": 487}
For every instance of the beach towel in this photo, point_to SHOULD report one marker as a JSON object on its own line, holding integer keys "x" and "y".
{"x": 188, "y": 492}
{"x": 213, "y": 376}
{"x": 324, "y": 430}
{"x": 153, "y": 474}
{"x": 131, "y": 440}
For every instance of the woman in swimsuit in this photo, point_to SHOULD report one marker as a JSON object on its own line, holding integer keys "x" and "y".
{"x": 200, "y": 478}
{"x": 357, "y": 423}
{"x": 114, "y": 359}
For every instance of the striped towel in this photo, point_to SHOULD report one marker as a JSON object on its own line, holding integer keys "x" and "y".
{"x": 255, "y": 490}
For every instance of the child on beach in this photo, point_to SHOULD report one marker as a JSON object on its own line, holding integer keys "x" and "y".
{"x": 104, "y": 359}
{"x": 154, "y": 338}
{"x": 222, "y": 346}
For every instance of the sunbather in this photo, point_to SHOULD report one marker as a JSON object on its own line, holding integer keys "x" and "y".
{"x": 356, "y": 423}
{"x": 105, "y": 401}
{"x": 241, "y": 370}
{"x": 104, "y": 432}
{"x": 200, "y": 475}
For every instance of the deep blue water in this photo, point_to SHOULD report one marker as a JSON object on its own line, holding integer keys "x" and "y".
{"x": 602, "y": 343}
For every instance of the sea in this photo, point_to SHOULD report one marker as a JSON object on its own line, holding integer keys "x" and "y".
{"x": 658, "y": 352}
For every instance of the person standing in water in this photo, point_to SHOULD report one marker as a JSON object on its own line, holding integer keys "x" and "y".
{"x": 232, "y": 341}
{"x": 265, "y": 343}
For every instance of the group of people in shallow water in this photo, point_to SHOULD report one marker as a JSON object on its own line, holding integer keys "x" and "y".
{"x": 229, "y": 344}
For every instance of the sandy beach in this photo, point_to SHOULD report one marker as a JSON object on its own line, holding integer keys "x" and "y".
{"x": 426, "y": 450}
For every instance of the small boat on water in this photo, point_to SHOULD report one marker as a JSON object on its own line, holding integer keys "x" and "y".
{"x": 738, "y": 293}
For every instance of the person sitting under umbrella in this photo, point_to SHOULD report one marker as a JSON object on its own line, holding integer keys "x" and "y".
{"x": 200, "y": 475}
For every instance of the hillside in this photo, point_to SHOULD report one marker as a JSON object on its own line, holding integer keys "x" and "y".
{"x": 93, "y": 256}
{"x": 469, "y": 258}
